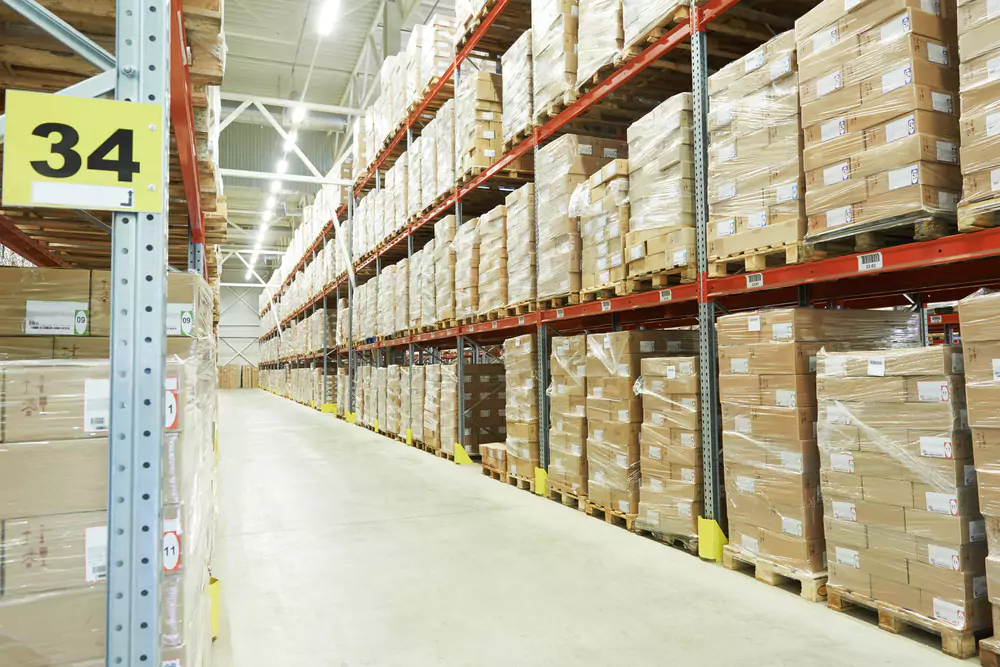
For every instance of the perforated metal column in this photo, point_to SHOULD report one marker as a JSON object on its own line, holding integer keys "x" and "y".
{"x": 138, "y": 339}
{"x": 543, "y": 346}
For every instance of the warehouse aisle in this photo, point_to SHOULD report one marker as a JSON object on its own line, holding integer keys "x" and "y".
{"x": 338, "y": 547}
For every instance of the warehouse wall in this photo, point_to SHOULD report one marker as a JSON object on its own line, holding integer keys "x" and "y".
{"x": 239, "y": 326}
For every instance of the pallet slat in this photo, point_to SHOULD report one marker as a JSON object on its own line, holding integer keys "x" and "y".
{"x": 813, "y": 585}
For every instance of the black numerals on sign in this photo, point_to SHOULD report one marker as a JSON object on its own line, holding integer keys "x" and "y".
{"x": 124, "y": 166}
{"x": 68, "y": 138}
{"x": 122, "y": 140}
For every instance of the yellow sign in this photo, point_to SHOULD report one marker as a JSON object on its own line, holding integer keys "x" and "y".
{"x": 72, "y": 152}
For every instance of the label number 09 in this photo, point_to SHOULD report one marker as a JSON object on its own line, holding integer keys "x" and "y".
{"x": 122, "y": 139}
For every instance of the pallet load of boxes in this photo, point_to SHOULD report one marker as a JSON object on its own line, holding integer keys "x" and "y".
{"x": 54, "y": 466}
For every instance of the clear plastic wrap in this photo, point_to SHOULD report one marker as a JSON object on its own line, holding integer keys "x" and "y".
{"x": 448, "y": 407}
{"x": 878, "y": 84}
{"x": 898, "y": 482}
{"x": 444, "y": 268}
{"x": 670, "y": 457}
{"x": 428, "y": 288}
{"x": 415, "y": 288}
{"x": 755, "y": 179}
{"x": 521, "y": 404}
{"x": 601, "y": 36}
{"x": 416, "y": 403}
{"x": 386, "y": 315}
{"x": 342, "y": 392}
{"x": 401, "y": 296}
{"x": 380, "y": 377}
{"x": 568, "y": 414}
{"x": 414, "y": 62}
{"x": 521, "y": 226}
{"x": 518, "y": 94}
{"x": 478, "y": 129}
{"x": 415, "y": 174}
{"x": 642, "y": 17}
{"x": 405, "y": 412}
{"x": 438, "y": 50}
{"x": 602, "y": 204}
{"x": 428, "y": 165}
{"x": 564, "y": 164}
{"x": 393, "y": 397}
{"x": 432, "y": 406}
{"x": 466, "y": 245}
{"x": 445, "y": 140}
{"x": 979, "y": 91}
{"x": 492, "y": 273}
{"x": 554, "y": 29}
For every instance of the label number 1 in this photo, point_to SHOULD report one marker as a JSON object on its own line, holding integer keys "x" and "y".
{"x": 124, "y": 166}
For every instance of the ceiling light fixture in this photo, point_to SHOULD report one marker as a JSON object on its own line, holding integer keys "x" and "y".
{"x": 290, "y": 141}
{"x": 275, "y": 186}
{"x": 282, "y": 166}
{"x": 327, "y": 17}
{"x": 298, "y": 114}
{"x": 271, "y": 201}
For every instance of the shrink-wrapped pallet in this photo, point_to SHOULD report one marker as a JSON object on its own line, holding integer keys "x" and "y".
{"x": 601, "y": 35}
{"x": 466, "y": 245}
{"x": 518, "y": 95}
{"x": 521, "y": 267}
{"x": 521, "y": 405}
{"x": 492, "y": 273}
{"x": 444, "y": 268}
{"x": 432, "y": 406}
{"x": 554, "y": 27}
{"x": 567, "y": 392}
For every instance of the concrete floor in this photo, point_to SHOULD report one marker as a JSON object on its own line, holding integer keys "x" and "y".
{"x": 339, "y": 547}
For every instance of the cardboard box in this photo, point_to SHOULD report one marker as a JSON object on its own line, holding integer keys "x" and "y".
{"x": 53, "y": 477}
{"x": 53, "y": 553}
{"x": 45, "y": 302}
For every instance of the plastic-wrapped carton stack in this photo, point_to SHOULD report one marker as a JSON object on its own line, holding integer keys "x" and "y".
{"x": 414, "y": 60}
{"x": 670, "y": 462}
{"x": 393, "y": 395}
{"x": 521, "y": 377}
{"x": 767, "y": 386}
{"x": 478, "y": 109}
{"x": 432, "y": 406}
{"x": 614, "y": 413}
{"x": 386, "y": 315}
{"x": 899, "y": 485}
{"x": 401, "y": 296}
{"x": 342, "y": 393}
{"x": 444, "y": 268}
{"x": 601, "y": 36}
{"x": 494, "y": 456}
{"x": 415, "y": 407}
{"x": 448, "y": 408}
{"x": 399, "y": 90}
{"x": 380, "y": 385}
{"x": 517, "y": 89}
{"x": 400, "y": 196}
{"x": 466, "y": 246}
{"x": 415, "y": 185}
{"x": 360, "y": 149}
{"x": 878, "y": 84}
{"x": 492, "y": 272}
{"x": 602, "y": 204}
{"x": 554, "y": 28}
{"x": 444, "y": 137}
{"x": 979, "y": 88}
{"x": 641, "y": 17}
{"x": 405, "y": 416}
{"x": 565, "y": 163}
{"x": 362, "y": 394}
{"x": 979, "y": 317}
{"x": 755, "y": 178}
{"x": 521, "y": 226}
{"x": 428, "y": 164}
{"x": 428, "y": 290}
{"x": 438, "y": 48}
{"x": 415, "y": 288}
{"x": 484, "y": 404}
{"x": 568, "y": 414}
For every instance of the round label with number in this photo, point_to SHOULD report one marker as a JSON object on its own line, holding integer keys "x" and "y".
{"x": 187, "y": 322}
{"x": 171, "y": 551}
{"x": 170, "y": 409}
{"x": 81, "y": 323}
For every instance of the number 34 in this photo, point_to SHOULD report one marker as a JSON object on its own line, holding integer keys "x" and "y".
{"x": 123, "y": 165}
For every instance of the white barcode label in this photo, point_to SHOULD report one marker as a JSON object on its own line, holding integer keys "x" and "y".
{"x": 757, "y": 279}
{"x": 824, "y": 39}
{"x": 851, "y": 4}
{"x": 655, "y": 452}
{"x": 942, "y": 503}
{"x": 559, "y": 313}
{"x": 726, "y": 191}
{"x": 665, "y": 295}
{"x": 782, "y": 331}
{"x": 781, "y": 68}
{"x": 897, "y": 78}
{"x": 837, "y": 217}
{"x": 684, "y": 510}
{"x": 624, "y": 506}
{"x": 791, "y": 526}
{"x": 753, "y": 323}
{"x": 995, "y": 180}
{"x": 56, "y": 318}
{"x": 904, "y": 178}
{"x": 585, "y": 149}
{"x": 791, "y": 461}
{"x": 623, "y": 416}
{"x": 687, "y": 440}
{"x": 933, "y": 392}
{"x": 935, "y": 447}
{"x": 837, "y": 173}
{"x": 171, "y": 663}
{"x": 95, "y": 540}
{"x": 754, "y": 60}
{"x": 743, "y": 425}
{"x": 870, "y": 261}
{"x": 876, "y": 367}
{"x": 659, "y": 386}
{"x": 724, "y": 113}
{"x": 655, "y": 485}
{"x": 833, "y": 129}
{"x": 993, "y": 123}
{"x": 949, "y": 612}
{"x": 895, "y": 28}
{"x": 621, "y": 460}
{"x": 687, "y": 475}
{"x": 576, "y": 449}
{"x": 751, "y": 544}
{"x": 611, "y": 153}
{"x": 739, "y": 366}
{"x": 635, "y": 252}
{"x": 785, "y": 398}
{"x": 947, "y": 151}
{"x": 605, "y": 306}
{"x": 977, "y": 531}
{"x": 680, "y": 257}
{"x": 842, "y": 462}
{"x": 848, "y": 557}
{"x": 489, "y": 134}
{"x": 757, "y": 220}
{"x": 845, "y": 511}
{"x": 489, "y": 152}
{"x": 992, "y": 9}
{"x": 488, "y": 115}
{"x": 944, "y": 557}
{"x": 787, "y": 192}
{"x": 900, "y": 129}
{"x": 725, "y": 227}
{"x": 647, "y": 346}
{"x": 942, "y": 103}
{"x": 96, "y": 405}
{"x": 937, "y": 53}
{"x": 657, "y": 419}
{"x": 671, "y": 374}
{"x": 828, "y": 84}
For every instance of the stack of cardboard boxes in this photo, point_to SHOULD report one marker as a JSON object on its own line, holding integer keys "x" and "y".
{"x": 661, "y": 189}
{"x": 564, "y": 164}
{"x": 415, "y": 407}
{"x": 641, "y": 17}
{"x": 444, "y": 269}
{"x": 899, "y": 486}
{"x": 878, "y": 92}
{"x": 448, "y": 407}
{"x": 428, "y": 289}
{"x": 415, "y": 287}
{"x": 432, "y": 406}
{"x": 492, "y": 272}
{"x": 517, "y": 89}
{"x": 614, "y": 412}
{"x": 767, "y": 386}
{"x": 401, "y": 296}
{"x": 521, "y": 405}
{"x": 466, "y": 246}
{"x": 568, "y": 414}
{"x": 601, "y": 36}
{"x": 979, "y": 316}
{"x": 670, "y": 460}
{"x": 54, "y": 470}
{"x": 361, "y": 397}
{"x": 494, "y": 456}
{"x": 386, "y": 290}
{"x": 521, "y": 226}
{"x": 478, "y": 128}
{"x": 602, "y": 204}
{"x": 554, "y": 28}
{"x": 428, "y": 164}
{"x": 755, "y": 179}
{"x": 414, "y": 196}
{"x": 343, "y": 394}
{"x": 393, "y": 396}
{"x": 438, "y": 48}
{"x": 380, "y": 385}
{"x": 979, "y": 90}
{"x": 444, "y": 137}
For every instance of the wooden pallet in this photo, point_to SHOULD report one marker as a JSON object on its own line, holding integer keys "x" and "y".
{"x": 614, "y": 517}
{"x": 601, "y": 293}
{"x": 517, "y": 137}
{"x": 756, "y": 260}
{"x": 561, "y": 301}
{"x": 522, "y": 308}
{"x": 957, "y": 643}
{"x": 499, "y": 475}
{"x": 972, "y": 218}
{"x": 412, "y": 331}
{"x": 880, "y": 234}
{"x": 555, "y": 107}
{"x": 523, "y": 483}
{"x": 683, "y": 542}
{"x": 565, "y": 495}
{"x": 813, "y": 585}
{"x": 514, "y": 174}
{"x": 443, "y": 454}
{"x": 656, "y": 31}
{"x": 989, "y": 652}
{"x": 659, "y": 280}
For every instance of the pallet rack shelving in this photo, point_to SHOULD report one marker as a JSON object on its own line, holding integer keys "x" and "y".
{"x": 906, "y": 275}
